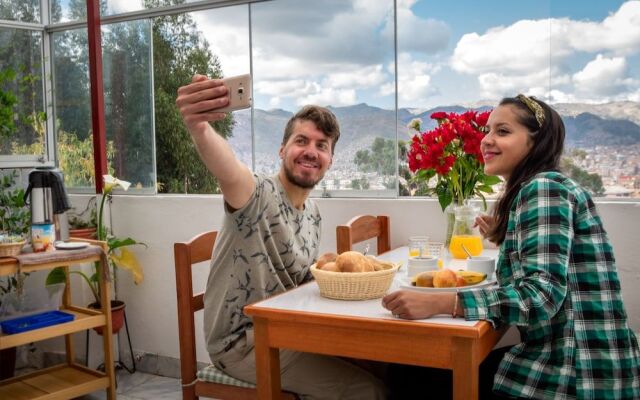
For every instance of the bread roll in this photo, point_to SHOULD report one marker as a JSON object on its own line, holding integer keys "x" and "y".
{"x": 325, "y": 258}
{"x": 352, "y": 261}
{"x": 425, "y": 279}
{"x": 330, "y": 266}
{"x": 445, "y": 278}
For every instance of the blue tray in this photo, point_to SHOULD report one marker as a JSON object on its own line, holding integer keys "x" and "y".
{"x": 36, "y": 321}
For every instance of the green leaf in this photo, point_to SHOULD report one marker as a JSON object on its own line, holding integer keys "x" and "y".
{"x": 115, "y": 243}
{"x": 445, "y": 197}
{"x": 484, "y": 188}
{"x": 490, "y": 179}
{"x": 56, "y": 276}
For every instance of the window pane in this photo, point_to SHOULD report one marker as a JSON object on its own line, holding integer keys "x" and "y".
{"x": 331, "y": 53}
{"x": 74, "y": 144}
{"x": 128, "y": 101}
{"x": 454, "y": 62}
{"x": 22, "y": 118}
{"x": 596, "y": 88}
{"x": 68, "y": 10}
{"x": 214, "y": 43}
{"x": 20, "y": 10}
{"x": 128, "y": 104}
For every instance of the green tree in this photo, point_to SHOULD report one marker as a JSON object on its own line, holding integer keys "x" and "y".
{"x": 179, "y": 52}
{"x": 591, "y": 182}
{"x": 380, "y": 158}
{"x": 360, "y": 184}
{"x": 20, "y": 68}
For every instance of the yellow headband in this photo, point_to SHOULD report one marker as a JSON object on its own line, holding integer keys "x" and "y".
{"x": 535, "y": 108}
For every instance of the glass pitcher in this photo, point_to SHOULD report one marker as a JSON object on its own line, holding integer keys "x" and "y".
{"x": 464, "y": 233}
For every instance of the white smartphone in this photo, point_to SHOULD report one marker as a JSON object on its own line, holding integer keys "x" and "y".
{"x": 240, "y": 94}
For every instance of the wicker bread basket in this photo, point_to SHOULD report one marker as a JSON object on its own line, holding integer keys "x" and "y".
{"x": 354, "y": 285}
{"x": 11, "y": 249}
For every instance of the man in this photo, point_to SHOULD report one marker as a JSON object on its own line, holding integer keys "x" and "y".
{"x": 269, "y": 239}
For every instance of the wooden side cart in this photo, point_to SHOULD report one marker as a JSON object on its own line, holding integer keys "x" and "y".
{"x": 68, "y": 380}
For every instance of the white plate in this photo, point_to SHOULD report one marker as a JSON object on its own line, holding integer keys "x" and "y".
{"x": 406, "y": 284}
{"x": 71, "y": 245}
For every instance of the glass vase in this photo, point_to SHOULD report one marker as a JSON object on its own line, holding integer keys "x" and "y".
{"x": 465, "y": 236}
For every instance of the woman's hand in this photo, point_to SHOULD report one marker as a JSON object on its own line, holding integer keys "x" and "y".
{"x": 485, "y": 223}
{"x": 409, "y": 304}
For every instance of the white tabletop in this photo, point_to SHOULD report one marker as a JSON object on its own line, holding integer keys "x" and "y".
{"x": 306, "y": 298}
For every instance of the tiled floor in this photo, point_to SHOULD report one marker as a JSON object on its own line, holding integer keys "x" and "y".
{"x": 141, "y": 386}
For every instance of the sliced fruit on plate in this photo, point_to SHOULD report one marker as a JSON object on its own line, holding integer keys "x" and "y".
{"x": 471, "y": 277}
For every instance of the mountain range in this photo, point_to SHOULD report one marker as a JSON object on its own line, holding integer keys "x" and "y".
{"x": 587, "y": 125}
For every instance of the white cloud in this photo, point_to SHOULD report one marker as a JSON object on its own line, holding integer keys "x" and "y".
{"x": 414, "y": 81}
{"x": 416, "y": 34}
{"x": 358, "y": 77}
{"x": 227, "y": 31}
{"x": 523, "y": 47}
{"x": 619, "y": 33}
{"x": 123, "y": 6}
{"x": 602, "y": 76}
{"x": 496, "y": 85}
{"x": 517, "y": 57}
{"x": 329, "y": 96}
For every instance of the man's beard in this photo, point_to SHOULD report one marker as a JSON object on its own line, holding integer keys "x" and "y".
{"x": 303, "y": 183}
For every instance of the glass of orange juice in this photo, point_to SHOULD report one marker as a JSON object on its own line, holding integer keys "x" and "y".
{"x": 465, "y": 233}
{"x": 418, "y": 246}
{"x": 473, "y": 244}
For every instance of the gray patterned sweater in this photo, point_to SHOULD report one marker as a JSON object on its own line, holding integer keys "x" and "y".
{"x": 263, "y": 249}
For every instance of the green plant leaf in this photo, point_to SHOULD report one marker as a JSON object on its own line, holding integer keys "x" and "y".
{"x": 485, "y": 188}
{"x": 55, "y": 276}
{"x": 490, "y": 179}
{"x": 115, "y": 243}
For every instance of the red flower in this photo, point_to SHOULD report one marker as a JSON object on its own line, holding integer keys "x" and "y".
{"x": 439, "y": 115}
{"x": 452, "y": 145}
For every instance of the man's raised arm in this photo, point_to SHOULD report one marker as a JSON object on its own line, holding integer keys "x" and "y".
{"x": 198, "y": 102}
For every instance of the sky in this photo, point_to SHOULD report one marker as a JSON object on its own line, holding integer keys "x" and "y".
{"x": 339, "y": 52}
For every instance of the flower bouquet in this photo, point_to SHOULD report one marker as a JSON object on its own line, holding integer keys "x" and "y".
{"x": 447, "y": 159}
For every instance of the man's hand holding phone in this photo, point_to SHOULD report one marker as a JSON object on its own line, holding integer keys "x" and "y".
{"x": 205, "y": 100}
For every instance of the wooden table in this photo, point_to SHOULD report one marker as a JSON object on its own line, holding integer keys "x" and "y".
{"x": 302, "y": 320}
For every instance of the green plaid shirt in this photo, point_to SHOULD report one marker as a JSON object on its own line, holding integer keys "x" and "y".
{"x": 558, "y": 284}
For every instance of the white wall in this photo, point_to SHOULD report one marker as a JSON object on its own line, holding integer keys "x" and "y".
{"x": 160, "y": 221}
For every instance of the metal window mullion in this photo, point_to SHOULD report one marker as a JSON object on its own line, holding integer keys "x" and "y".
{"x": 395, "y": 65}
{"x": 47, "y": 85}
{"x": 154, "y": 168}
{"x": 5, "y": 23}
{"x": 253, "y": 133}
{"x": 152, "y": 13}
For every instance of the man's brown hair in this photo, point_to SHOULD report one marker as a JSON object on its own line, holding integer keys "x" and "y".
{"x": 324, "y": 120}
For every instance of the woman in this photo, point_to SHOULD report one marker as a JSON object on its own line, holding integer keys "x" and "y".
{"x": 556, "y": 271}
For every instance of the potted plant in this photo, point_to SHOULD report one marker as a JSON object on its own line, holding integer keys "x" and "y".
{"x": 118, "y": 255}
{"x": 15, "y": 219}
{"x": 83, "y": 225}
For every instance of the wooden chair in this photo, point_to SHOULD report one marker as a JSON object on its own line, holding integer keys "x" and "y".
{"x": 361, "y": 228}
{"x": 208, "y": 382}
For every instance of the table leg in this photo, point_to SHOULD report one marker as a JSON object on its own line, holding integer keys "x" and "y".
{"x": 267, "y": 362}
{"x": 465, "y": 369}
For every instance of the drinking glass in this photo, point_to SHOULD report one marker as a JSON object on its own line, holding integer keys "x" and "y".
{"x": 418, "y": 246}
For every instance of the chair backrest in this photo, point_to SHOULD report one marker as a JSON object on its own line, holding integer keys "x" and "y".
{"x": 361, "y": 228}
{"x": 186, "y": 254}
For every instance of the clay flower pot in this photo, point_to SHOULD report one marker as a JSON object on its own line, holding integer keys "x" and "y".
{"x": 117, "y": 316}
{"x": 83, "y": 233}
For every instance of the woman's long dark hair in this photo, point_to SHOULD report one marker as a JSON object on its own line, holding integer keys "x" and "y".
{"x": 545, "y": 153}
